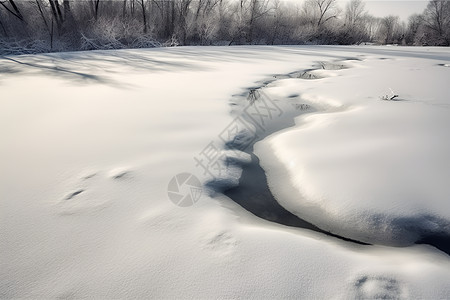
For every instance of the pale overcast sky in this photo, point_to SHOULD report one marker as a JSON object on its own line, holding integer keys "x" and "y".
{"x": 382, "y": 8}
{"x": 401, "y": 8}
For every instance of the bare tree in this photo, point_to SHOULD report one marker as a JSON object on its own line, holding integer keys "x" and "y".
{"x": 13, "y": 9}
{"x": 413, "y": 35}
{"x": 323, "y": 10}
{"x": 371, "y": 27}
{"x": 205, "y": 20}
{"x": 144, "y": 16}
{"x": 3, "y": 26}
{"x": 388, "y": 26}
{"x": 41, "y": 12}
{"x": 56, "y": 13}
{"x": 355, "y": 12}
{"x": 277, "y": 17}
{"x": 258, "y": 9}
{"x": 59, "y": 25}
{"x": 247, "y": 14}
{"x": 183, "y": 9}
{"x": 354, "y": 30}
{"x": 436, "y": 18}
{"x": 95, "y": 4}
{"x": 167, "y": 17}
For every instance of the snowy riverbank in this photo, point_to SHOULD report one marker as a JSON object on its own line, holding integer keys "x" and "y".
{"x": 93, "y": 140}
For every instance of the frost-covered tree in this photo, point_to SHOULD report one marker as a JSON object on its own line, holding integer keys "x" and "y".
{"x": 414, "y": 32}
{"x": 354, "y": 30}
{"x": 202, "y": 24}
{"x": 355, "y": 12}
{"x": 11, "y": 7}
{"x": 58, "y": 25}
{"x": 389, "y": 29}
{"x": 319, "y": 21}
{"x": 323, "y": 10}
{"x": 247, "y": 17}
{"x": 436, "y": 18}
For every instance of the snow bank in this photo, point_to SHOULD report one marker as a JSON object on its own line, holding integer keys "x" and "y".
{"x": 372, "y": 170}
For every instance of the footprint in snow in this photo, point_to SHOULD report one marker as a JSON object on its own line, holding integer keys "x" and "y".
{"x": 91, "y": 191}
{"x": 221, "y": 243}
{"x": 88, "y": 176}
{"x": 360, "y": 58}
{"x": 378, "y": 287}
{"x": 73, "y": 194}
{"x": 120, "y": 173}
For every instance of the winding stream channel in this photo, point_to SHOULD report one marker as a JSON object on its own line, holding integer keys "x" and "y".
{"x": 252, "y": 191}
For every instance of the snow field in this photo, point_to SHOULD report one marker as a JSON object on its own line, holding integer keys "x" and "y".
{"x": 91, "y": 140}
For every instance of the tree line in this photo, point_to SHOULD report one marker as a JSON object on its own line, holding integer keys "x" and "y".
{"x": 32, "y": 26}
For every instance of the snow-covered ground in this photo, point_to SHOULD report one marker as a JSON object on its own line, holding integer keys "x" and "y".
{"x": 92, "y": 143}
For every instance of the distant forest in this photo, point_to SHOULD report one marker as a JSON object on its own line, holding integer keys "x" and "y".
{"x": 34, "y": 26}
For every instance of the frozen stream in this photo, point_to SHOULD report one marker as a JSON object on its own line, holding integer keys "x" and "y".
{"x": 252, "y": 192}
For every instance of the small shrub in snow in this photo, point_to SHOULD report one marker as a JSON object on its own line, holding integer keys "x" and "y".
{"x": 172, "y": 42}
{"x": 253, "y": 95}
{"x": 116, "y": 34}
{"x": 25, "y": 46}
{"x": 390, "y": 97}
